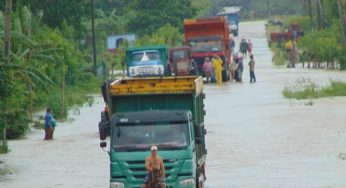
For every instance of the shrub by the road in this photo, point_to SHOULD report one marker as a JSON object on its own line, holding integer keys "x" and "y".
{"x": 306, "y": 89}
{"x": 16, "y": 123}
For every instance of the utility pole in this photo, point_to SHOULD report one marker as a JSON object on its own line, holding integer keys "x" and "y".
{"x": 310, "y": 15}
{"x": 269, "y": 8}
{"x": 93, "y": 34}
{"x": 7, "y": 48}
{"x": 319, "y": 16}
{"x": 7, "y": 31}
{"x": 305, "y": 5}
{"x": 341, "y": 4}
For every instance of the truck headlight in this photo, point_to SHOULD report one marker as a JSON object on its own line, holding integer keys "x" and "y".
{"x": 117, "y": 185}
{"x": 190, "y": 181}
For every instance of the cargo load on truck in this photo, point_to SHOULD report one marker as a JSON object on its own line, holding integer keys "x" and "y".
{"x": 208, "y": 37}
{"x": 167, "y": 112}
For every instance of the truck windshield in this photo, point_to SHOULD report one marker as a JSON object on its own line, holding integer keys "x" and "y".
{"x": 145, "y": 56}
{"x": 142, "y": 137}
{"x": 202, "y": 45}
{"x": 179, "y": 54}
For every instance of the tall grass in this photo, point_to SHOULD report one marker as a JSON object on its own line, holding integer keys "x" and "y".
{"x": 306, "y": 89}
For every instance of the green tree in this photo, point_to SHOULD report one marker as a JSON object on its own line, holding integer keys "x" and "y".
{"x": 54, "y": 12}
{"x": 150, "y": 15}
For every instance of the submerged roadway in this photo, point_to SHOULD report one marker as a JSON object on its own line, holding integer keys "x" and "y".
{"x": 256, "y": 138}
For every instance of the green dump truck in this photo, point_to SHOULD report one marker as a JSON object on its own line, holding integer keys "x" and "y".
{"x": 147, "y": 61}
{"x": 167, "y": 112}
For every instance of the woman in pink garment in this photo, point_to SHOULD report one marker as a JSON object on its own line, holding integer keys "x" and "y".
{"x": 207, "y": 68}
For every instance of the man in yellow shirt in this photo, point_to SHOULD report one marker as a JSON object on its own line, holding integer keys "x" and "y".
{"x": 217, "y": 64}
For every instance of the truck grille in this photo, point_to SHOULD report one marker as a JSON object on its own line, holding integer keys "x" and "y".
{"x": 138, "y": 170}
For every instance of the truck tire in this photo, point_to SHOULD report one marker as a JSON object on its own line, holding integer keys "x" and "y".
{"x": 199, "y": 180}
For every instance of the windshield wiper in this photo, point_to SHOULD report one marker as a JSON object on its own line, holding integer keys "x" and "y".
{"x": 170, "y": 146}
{"x": 131, "y": 147}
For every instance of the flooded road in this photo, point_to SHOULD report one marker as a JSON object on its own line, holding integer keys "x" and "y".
{"x": 256, "y": 138}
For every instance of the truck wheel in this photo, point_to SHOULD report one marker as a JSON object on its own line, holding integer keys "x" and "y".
{"x": 199, "y": 180}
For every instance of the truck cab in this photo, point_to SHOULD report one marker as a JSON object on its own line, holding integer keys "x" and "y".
{"x": 233, "y": 21}
{"x": 146, "y": 112}
{"x": 134, "y": 133}
{"x": 147, "y": 61}
{"x": 179, "y": 59}
{"x": 231, "y": 14}
{"x": 209, "y": 37}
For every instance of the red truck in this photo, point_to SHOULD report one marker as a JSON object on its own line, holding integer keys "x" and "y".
{"x": 293, "y": 32}
{"x": 179, "y": 60}
{"x": 208, "y": 37}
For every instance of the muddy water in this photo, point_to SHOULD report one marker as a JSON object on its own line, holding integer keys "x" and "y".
{"x": 256, "y": 138}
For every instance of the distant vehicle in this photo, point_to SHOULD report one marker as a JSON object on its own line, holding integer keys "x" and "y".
{"x": 279, "y": 22}
{"x": 147, "y": 61}
{"x": 167, "y": 112}
{"x": 179, "y": 59}
{"x": 208, "y": 37}
{"x": 114, "y": 42}
{"x": 232, "y": 16}
{"x": 293, "y": 32}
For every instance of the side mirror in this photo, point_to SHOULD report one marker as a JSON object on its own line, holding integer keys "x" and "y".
{"x": 199, "y": 131}
{"x": 103, "y": 144}
{"x": 199, "y": 140}
{"x": 102, "y": 130}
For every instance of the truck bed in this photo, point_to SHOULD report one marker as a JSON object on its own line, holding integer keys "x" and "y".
{"x": 156, "y": 93}
{"x": 157, "y": 85}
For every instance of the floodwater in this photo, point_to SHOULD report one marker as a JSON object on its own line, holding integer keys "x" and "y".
{"x": 256, "y": 138}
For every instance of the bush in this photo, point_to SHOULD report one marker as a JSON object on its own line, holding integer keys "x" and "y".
{"x": 17, "y": 124}
{"x": 306, "y": 89}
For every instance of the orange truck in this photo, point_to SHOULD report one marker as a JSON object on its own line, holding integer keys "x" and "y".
{"x": 208, "y": 37}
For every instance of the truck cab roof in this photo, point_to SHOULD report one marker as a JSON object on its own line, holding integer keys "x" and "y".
{"x": 151, "y": 116}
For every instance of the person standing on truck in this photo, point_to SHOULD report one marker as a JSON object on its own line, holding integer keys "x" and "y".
{"x": 252, "y": 69}
{"x": 207, "y": 68}
{"x": 218, "y": 69}
{"x": 154, "y": 162}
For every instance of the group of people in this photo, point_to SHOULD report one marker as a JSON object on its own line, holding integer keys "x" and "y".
{"x": 245, "y": 47}
{"x": 237, "y": 68}
{"x": 237, "y": 65}
{"x": 212, "y": 69}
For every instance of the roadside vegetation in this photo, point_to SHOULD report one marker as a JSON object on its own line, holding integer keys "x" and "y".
{"x": 307, "y": 89}
{"x": 51, "y": 55}
{"x": 322, "y": 45}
